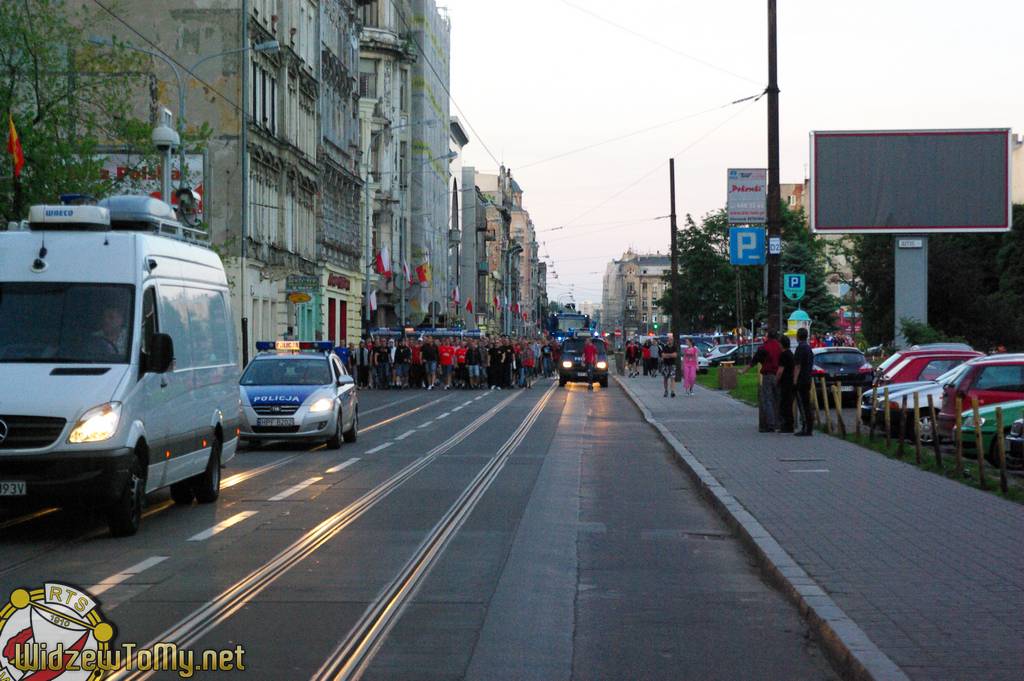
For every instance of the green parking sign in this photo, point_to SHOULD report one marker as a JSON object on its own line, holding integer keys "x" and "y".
{"x": 794, "y": 286}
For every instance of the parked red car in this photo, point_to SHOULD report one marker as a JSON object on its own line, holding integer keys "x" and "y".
{"x": 992, "y": 379}
{"x": 923, "y": 363}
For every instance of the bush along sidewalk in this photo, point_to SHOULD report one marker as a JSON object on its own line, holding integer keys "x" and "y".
{"x": 900, "y": 438}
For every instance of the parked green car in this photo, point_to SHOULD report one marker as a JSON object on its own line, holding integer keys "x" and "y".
{"x": 1011, "y": 412}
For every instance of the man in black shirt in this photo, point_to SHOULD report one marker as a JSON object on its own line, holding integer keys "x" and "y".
{"x": 784, "y": 375}
{"x": 669, "y": 354}
{"x": 403, "y": 355}
{"x": 804, "y": 361}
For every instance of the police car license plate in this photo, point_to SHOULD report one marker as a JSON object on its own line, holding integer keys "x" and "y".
{"x": 846, "y": 388}
{"x": 275, "y": 422}
{"x": 12, "y": 488}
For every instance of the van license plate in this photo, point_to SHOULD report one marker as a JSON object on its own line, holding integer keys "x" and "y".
{"x": 12, "y": 488}
{"x": 275, "y": 422}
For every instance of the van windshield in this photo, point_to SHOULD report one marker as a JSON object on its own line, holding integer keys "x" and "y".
{"x": 66, "y": 323}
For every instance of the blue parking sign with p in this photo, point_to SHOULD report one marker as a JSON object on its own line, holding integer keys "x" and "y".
{"x": 746, "y": 245}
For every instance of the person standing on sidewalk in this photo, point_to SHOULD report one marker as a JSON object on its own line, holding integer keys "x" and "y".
{"x": 689, "y": 366}
{"x": 803, "y": 362}
{"x": 363, "y": 360}
{"x": 784, "y": 376}
{"x": 669, "y": 354}
{"x": 768, "y": 397}
{"x": 655, "y": 357}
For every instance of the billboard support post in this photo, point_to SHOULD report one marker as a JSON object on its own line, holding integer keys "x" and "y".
{"x": 910, "y": 261}
{"x": 774, "y": 221}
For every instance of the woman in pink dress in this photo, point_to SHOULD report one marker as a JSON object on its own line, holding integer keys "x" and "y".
{"x": 689, "y": 366}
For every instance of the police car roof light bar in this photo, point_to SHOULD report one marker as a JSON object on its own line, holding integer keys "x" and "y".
{"x": 294, "y": 346}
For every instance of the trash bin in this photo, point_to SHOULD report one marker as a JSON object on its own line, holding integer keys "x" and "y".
{"x": 620, "y": 362}
{"x": 727, "y": 376}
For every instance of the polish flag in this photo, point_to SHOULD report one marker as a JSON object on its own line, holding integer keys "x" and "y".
{"x": 383, "y": 264}
{"x": 371, "y": 300}
{"x": 469, "y": 305}
{"x": 455, "y": 295}
{"x": 406, "y": 272}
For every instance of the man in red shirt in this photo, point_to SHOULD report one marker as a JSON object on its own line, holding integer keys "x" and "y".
{"x": 768, "y": 356}
{"x": 462, "y": 380}
{"x": 446, "y": 355}
{"x": 590, "y": 359}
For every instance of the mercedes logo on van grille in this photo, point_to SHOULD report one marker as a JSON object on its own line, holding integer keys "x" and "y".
{"x": 3, "y": 431}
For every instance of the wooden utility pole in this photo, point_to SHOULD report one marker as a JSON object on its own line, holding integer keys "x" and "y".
{"x": 774, "y": 194}
{"x": 676, "y": 312}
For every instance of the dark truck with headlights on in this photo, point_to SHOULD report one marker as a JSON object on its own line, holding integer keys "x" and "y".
{"x": 572, "y": 369}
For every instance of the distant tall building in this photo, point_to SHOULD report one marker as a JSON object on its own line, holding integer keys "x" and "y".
{"x": 631, "y": 288}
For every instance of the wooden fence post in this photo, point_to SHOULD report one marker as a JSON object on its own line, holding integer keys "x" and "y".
{"x": 887, "y": 422}
{"x": 828, "y": 413}
{"x": 901, "y": 446}
{"x": 837, "y": 400}
{"x": 959, "y": 437}
{"x": 871, "y": 416}
{"x": 1001, "y": 450}
{"x": 860, "y": 396}
{"x": 917, "y": 427}
{"x": 814, "y": 403}
{"x": 935, "y": 434}
{"x": 979, "y": 444}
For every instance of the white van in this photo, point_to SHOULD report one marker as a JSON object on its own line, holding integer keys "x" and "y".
{"x": 118, "y": 363}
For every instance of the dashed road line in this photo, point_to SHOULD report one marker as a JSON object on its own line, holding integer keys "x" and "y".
{"x": 809, "y": 470}
{"x": 443, "y": 416}
{"x": 222, "y": 525}
{"x": 113, "y": 580}
{"x": 379, "y": 448}
{"x": 458, "y": 408}
{"x": 342, "y": 466}
{"x": 405, "y": 434}
{"x": 295, "y": 488}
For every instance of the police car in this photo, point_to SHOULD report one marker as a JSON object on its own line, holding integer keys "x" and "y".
{"x": 298, "y": 390}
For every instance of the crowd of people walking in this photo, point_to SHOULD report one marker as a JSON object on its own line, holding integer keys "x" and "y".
{"x": 664, "y": 358}
{"x": 449, "y": 363}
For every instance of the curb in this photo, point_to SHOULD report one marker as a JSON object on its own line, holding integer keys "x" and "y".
{"x": 854, "y": 655}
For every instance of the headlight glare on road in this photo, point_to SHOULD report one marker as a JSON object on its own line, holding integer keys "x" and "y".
{"x": 567, "y": 364}
{"x": 97, "y": 424}
{"x": 321, "y": 405}
{"x": 602, "y": 365}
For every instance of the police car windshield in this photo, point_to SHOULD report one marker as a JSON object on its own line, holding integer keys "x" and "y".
{"x": 288, "y": 371}
{"x": 66, "y": 323}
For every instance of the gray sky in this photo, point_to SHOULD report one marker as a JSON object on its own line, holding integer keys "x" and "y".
{"x": 538, "y": 78}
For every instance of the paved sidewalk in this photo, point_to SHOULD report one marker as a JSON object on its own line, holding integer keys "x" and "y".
{"x": 930, "y": 570}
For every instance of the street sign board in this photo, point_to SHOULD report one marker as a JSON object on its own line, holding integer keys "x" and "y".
{"x": 911, "y": 181}
{"x": 746, "y": 200}
{"x": 794, "y": 286}
{"x": 774, "y": 245}
{"x": 746, "y": 245}
{"x": 302, "y": 283}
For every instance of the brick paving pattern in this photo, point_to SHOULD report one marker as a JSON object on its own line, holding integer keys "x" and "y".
{"x": 931, "y": 570}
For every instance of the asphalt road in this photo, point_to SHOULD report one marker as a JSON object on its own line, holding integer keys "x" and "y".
{"x": 532, "y": 534}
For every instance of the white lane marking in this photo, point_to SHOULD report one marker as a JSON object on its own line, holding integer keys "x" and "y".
{"x": 295, "y": 488}
{"x": 443, "y": 416}
{"x": 424, "y": 425}
{"x": 405, "y": 434}
{"x": 379, "y": 447}
{"x": 458, "y": 408}
{"x": 809, "y": 470}
{"x": 342, "y": 466}
{"x": 468, "y": 402}
{"x": 222, "y": 525}
{"x": 113, "y": 580}
{"x": 480, "y": 397}
{"x": 242, "y": 476}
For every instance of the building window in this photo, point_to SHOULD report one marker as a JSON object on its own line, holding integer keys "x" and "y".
{"x": 371, "y": 14}
{"x": 645, "y": 318}
{"x": 368, "y": 78}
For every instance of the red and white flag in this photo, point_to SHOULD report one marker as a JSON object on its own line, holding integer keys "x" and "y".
{"x": 406, "y": 272}
{"x": 469, "y": 305}
{"x": 455, "y": 295}
{"x": 383, "y": 264}
{"x": 371, "y": 300}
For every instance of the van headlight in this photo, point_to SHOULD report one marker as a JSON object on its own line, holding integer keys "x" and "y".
{"x": 567, "y": 364}
{"x": 321, "y": 405}
{"x": 602, "y": 365}
{"x": 97, "y": 424}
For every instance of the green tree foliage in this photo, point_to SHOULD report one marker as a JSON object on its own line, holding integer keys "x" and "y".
{"x": 975, "y": 286}
{"x": 67, "y": 97}
{"x": 714, "y": 293}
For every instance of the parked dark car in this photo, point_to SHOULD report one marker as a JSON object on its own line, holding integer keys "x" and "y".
{"x": 846, "y": 367}
{"x": 1015, "y": 445}
{"x": 571, "y": 368}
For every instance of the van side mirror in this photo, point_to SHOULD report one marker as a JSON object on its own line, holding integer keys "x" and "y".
{"x": 161, "y": 353}
{"x": 345, "y": 380}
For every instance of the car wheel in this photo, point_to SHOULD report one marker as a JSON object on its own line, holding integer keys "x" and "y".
{"x": 927, "y": 431}
{"x": 562, "y": 382}
{"x": 334, "y": 441}
{"x": 352, "y": 433}
{"x": 125, "y": 515}
{"x": 183, "y": 492}
{"x": 207, "y": 483}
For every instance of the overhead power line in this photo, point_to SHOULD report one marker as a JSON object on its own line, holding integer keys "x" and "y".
{"x": 658, "y": 43}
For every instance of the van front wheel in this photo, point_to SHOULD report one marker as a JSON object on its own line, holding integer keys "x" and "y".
{"x": 207, "y": 484}
{"x": 125, "y": 515}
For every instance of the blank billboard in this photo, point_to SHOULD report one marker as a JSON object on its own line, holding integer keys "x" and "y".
{"x": 911, "y": 181}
